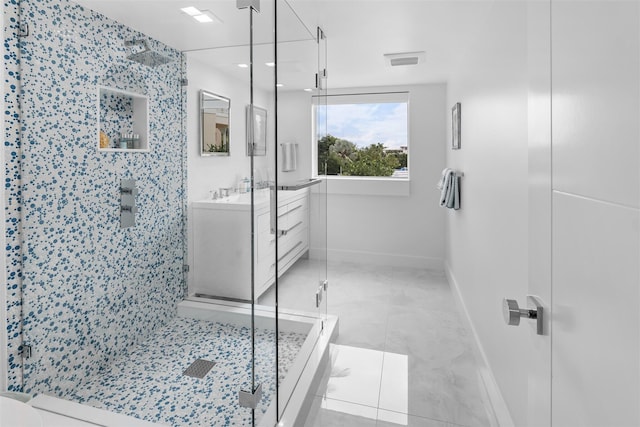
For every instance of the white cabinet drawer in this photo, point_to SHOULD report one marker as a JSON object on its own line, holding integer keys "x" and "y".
{"x": 293, "y": 212}
{"x": 291, "y": 247}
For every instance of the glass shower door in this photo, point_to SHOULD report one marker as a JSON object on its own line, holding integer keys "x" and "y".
{"x": 301, "y": 260}
{"x": 260, "y": 122}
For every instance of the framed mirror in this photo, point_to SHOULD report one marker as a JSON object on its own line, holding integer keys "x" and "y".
{"x": 214, "y": 124}
{"x": 256, "y": 131}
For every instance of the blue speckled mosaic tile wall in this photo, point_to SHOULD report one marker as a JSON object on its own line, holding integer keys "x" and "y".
{"x": 88, "y": 288}
{"x": 12, "y": 191}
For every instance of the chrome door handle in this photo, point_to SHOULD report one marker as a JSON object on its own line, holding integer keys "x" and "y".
{"x": 512, "y": 312}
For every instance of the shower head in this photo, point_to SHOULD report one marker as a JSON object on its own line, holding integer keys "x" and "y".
{"x": 147, "y": 56}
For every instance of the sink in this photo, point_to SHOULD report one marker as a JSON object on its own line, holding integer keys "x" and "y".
{"x": 234, "y": 198}
{"x": 259, "y": 196}
{"x": 14, "y": 413}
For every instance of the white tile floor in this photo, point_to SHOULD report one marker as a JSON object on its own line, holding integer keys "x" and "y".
{"x": 403, "y": 356}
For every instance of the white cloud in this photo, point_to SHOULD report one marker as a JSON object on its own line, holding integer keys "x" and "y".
{"x": 366, "y": 124}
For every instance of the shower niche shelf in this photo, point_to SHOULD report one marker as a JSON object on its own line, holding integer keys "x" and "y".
{"x": 121, "y": 112}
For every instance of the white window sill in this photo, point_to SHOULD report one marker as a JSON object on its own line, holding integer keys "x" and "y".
{"x": 364, "y": 186}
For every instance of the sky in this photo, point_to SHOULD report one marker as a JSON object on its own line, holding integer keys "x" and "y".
{"x": 366, "y": 124}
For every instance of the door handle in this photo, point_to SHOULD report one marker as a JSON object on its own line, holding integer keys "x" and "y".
{"x": 512, "y": 312}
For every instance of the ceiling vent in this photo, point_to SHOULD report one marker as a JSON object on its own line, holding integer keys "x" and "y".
{"x": 405, "y": 58}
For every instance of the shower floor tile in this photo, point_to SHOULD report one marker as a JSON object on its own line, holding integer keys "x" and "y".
{"x": 148, "y": 382}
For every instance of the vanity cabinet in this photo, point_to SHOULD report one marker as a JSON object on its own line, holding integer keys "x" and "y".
{"x": 222, "y": 242}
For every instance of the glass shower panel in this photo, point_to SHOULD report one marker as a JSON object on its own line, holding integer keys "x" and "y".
{"x": 301, "y": 203}
{"x": 260, "y": 116}
{"x": 319, "y": 214}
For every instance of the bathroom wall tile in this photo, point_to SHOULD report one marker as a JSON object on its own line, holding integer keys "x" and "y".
{"x": 90, "y": 288}
{"x": 595, "y": 312}
{"x": 595, "y": 100}
{"x": 12, "y": 193}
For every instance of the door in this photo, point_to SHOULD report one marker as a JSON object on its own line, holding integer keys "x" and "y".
{"x": 584, "y": 216}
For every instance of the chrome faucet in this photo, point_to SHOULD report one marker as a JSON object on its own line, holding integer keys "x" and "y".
{"x": 263, "y": 184}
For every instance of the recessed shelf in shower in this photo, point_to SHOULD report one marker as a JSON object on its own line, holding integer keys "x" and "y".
{"x": 123, "y": 121}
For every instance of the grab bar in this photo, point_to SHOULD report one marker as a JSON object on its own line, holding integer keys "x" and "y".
{"x": 299, "y": 185}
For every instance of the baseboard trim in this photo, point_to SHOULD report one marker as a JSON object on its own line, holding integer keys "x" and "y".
{"x": 377, "y": 258}
{"x": 497, "y": 411}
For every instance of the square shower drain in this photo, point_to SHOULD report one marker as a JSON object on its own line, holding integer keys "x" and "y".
{"x": 199, "y": 368}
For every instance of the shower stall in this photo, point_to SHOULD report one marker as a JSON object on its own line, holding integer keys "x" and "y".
{"x": 168, "y": 264}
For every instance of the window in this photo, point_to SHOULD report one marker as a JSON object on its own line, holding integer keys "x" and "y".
{"x": 364, "y": 135}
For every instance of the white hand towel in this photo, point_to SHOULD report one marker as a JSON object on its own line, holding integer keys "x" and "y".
{"x": 449, "y": 187}
{"x": 442, "y": 181}
{"x": 444, "y": 186}
{"x": 454, "y": 202}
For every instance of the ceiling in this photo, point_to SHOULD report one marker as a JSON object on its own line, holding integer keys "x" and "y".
{"x": 359, "y": 33}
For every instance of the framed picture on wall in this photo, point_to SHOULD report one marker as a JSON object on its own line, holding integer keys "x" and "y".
{"x": 455, "y": 127}
{"x": 256, "y": 131}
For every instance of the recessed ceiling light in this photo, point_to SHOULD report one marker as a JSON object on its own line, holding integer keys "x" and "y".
{"x": 191, "y": 11}
{"x": 270, "y": 64}
{"x": 308, "y": 90}
{"x": 404, "y": 58}
{"x": 203, "y": 18}
{"x": 243, "y": 65}
{"x": 279, "y": 85}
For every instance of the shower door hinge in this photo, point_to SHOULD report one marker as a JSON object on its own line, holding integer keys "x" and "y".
{"x": 27, "y": 351}
{"x": 248, "y": 399}
{"x": 253, "y": 4}
{"x": 185, "y": 268}
{"x": 321, "y": 78}
{"x": 324, "y": 284}
{"x": 319, "y": 34}
{"x": 184, "y": 82}
{"x": 23, "y": 29}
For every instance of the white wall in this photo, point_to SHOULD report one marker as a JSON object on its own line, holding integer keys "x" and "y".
{"x": 406, "y": 228}
{"x": 207, "y": 173}
{"x": 487, "y": 237}
{"x": 294, "y": 126}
